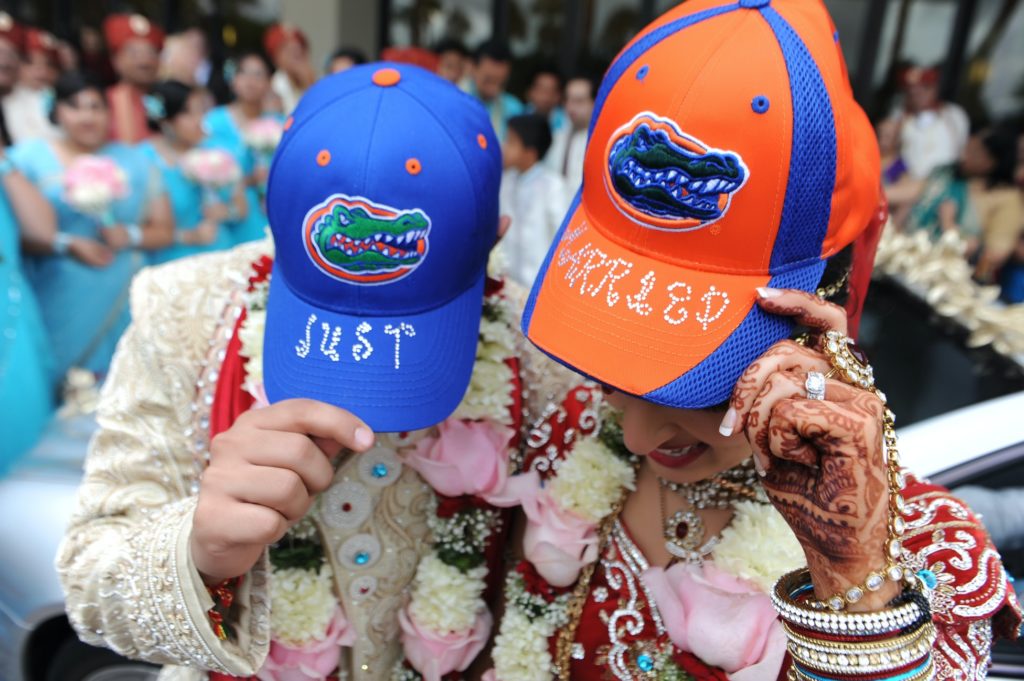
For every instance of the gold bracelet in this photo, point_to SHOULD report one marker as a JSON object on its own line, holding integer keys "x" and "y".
{"x": 926, "y": 673}
{"x": 850, "y": 365}
{"x": 863, "y": 658}
{"x": 871, "y": 645}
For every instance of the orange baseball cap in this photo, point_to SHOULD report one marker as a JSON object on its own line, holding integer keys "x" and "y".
{"x": 726, "y": 153}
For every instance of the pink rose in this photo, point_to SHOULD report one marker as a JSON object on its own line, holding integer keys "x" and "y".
{"x": 558, "y": 542}
{"x": 725, "y": 621}
{"x": 433, "y": 654}
{"x": 466, "y": 457}
{"x": 312, "y": 661}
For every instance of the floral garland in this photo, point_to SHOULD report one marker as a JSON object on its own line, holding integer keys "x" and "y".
{"x": 446, "y": 622}
{"x": 939, "y": 273}
{"x": 586, "y": 493}
{"x": 562, "y": 523}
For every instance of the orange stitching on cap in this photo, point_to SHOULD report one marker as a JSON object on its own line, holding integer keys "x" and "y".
{"x": 323, "y": 158}
{"x": 288, "y": 123}
{"x": 386, "y": 77}
{"x": 413, "y": 166}
{"x": 481, "y": 139}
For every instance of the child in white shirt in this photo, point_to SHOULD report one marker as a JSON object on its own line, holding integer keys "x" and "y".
{"x": 532, "y": 194}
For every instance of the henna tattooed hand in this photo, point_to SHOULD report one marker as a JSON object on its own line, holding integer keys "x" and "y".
{"x": 822, "y": 459}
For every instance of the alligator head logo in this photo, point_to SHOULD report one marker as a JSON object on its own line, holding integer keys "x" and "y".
{"x": 356, "y": 240}
{"x": 665, "y": 179}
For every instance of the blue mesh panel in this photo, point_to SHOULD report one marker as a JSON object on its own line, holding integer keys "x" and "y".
{"x": 711, "y": 382}
{"x": 629, "y": 57}
{"x": 812, "y": 164}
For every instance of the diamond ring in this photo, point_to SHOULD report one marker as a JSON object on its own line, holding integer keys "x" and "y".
{"x": 815, "y": 385}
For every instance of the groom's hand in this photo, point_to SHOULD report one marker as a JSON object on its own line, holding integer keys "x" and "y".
{"x": 264, "y": 473}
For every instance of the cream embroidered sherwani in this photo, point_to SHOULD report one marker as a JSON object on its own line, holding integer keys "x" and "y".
{"x": 125, "y": 563}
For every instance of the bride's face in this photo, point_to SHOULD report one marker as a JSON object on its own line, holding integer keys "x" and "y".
{"x": 680, "y": 445}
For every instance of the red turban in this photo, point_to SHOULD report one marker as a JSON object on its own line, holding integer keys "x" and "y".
{"x": 118, "y": 29}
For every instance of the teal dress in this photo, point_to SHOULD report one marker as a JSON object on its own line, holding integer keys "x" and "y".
{"x": 85, "y": 309}
{"x": 944, "y": 184}
{"x": 186, "y": 199}
{"x": 25, "y": 394}
{"x": 224, "y": 133}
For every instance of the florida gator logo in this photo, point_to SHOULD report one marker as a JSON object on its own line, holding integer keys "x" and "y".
{"x": 356, "y": 240}
{"x": 662, "y": 178}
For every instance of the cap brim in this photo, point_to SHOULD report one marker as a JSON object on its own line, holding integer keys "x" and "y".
{"x": 675, "y": 336}
{"x": 402, "y": 373}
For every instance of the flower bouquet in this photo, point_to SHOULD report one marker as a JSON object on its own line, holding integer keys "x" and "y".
{"x": 262, "y": 136}
{"x": 91, "y": 186}
{"x": 215, "y": 170}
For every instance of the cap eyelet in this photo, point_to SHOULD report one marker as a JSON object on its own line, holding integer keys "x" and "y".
{"x": 323, "y": 158}
{"x": 386, "y": 77}
{"x": 642, "y": 72}
{"x": 413, "y": 166}
{"x": 760, "y": 104}
{"x": 481, "y": 139}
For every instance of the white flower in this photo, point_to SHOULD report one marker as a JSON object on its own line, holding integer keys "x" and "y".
{"x": 250, "y": 335}
{"x": 521, "y": 648}
{"x": 496, "y": 340}
{"x": 497, "y": 263}
{"x": 302, "y": 604}
{"x": 489, "y": 395}
{"x": 758, "y": 545}
{"x": 590, "y": 480}
{"x": 444, "y": 598}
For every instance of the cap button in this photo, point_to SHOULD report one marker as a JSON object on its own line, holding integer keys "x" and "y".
{"x": 386, "y": 77}
{"x": 754, "y": 4}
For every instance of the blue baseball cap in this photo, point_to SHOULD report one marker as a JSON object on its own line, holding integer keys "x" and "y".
{"x": 383, "y": 203}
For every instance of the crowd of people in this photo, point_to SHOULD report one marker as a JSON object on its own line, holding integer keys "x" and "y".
{"x": 941, "y": 176}
{"x": 120, "y": 156}
{"x": 181, "y": 173}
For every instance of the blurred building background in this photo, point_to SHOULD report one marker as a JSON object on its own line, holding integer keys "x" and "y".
{"x": 979, "y": 43}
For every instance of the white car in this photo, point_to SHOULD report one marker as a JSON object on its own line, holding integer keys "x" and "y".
{"x": 37, "y": 499}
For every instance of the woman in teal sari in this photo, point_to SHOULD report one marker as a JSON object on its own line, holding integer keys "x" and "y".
{"x": 226, "y": 126}
{"x": 26, "y": 400}
{"x": 82, "y": 283}
{"x": 175, "y": 111}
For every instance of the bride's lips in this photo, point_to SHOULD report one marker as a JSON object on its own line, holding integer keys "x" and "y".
{"x": 678, "y": 457}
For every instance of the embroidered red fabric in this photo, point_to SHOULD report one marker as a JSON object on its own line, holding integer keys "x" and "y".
{"x": 972, "y": 599}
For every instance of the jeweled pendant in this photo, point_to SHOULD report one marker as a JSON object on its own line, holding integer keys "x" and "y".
{"x": 685, "y": 529}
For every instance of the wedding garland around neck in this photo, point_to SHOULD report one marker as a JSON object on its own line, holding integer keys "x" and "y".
{"x": 447, "y": 623}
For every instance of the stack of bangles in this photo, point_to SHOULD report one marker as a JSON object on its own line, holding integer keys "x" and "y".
{"x": 894, "y": 644}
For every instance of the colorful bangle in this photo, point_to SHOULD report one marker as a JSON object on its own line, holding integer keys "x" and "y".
{"x": 896, "y": 618}
{"x": 922, "y": 672}
{"x": 873, "y": 658}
